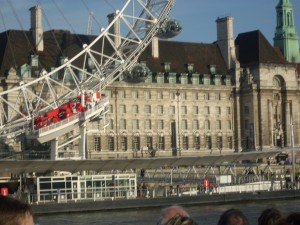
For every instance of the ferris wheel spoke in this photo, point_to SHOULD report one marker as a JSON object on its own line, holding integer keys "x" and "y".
{"x": 99, "y": 63}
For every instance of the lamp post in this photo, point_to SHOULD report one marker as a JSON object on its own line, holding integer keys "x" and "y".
{"x": 178, "y": 94}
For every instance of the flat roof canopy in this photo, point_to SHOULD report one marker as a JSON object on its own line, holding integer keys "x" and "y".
{"x": 41, "y": 166}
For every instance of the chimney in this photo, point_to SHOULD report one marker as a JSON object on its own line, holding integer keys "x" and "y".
{"x": 115, "y": 28}
{"x": 225, "y": 40}
{"x": 37, "y": 27}
{"x": 155, "y": 47}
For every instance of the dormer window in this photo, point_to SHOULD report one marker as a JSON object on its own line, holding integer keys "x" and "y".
{"x": 25, "y": 71}
{"x": 62, "y": 60}
{"x": 90, "y": 63}
{"x": 34, "y": 61}
{"x": 190, "y": 68}
{"x": 167, "y": 67}
{"x": 212, "y": 69}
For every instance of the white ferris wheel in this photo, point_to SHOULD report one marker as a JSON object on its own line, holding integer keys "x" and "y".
{"x": 64, "y": 99}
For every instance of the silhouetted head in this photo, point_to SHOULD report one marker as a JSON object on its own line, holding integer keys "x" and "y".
{"x": 171, "y": 212}
{"x": 269, "y": 216}
{"x": 233, "y": 217}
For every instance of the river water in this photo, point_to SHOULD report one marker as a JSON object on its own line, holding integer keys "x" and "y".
{"x": 203, "y": 214}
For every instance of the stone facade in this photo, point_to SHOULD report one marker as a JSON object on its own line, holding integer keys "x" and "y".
{"x": 189, "y": 99}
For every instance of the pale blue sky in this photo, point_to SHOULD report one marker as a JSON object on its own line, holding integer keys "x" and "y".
{"x": 196, "y": 16}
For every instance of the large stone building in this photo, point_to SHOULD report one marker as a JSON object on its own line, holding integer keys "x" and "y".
{"x": 181, "y": 99}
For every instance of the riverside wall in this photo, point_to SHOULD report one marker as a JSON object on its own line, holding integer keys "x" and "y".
{"x": 103, "y": 205}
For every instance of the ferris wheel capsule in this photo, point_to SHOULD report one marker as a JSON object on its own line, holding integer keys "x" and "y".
{"x": 169, "y": 29}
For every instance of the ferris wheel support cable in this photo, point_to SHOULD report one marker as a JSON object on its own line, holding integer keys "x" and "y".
{"x": 50, "y": 27}
{"x": 20, "y": 24}
{"x": 67, "y": 21}
{"x": 8, "y": 40}
{"x": 91, "y": 12}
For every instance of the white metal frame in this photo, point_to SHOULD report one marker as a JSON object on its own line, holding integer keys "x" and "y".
{"x": 139, "y": 21}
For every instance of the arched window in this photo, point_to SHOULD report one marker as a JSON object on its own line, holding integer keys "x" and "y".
{"x": 276, "y": 82}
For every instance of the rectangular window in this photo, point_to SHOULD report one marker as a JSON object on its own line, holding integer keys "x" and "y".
{"x": 195, "y": 96}
{"x": 159, "y": 95}
{"x": 195, "y": 125}
{"x": 97, "y": 144}
{"x": 161, "y": 143}
{"x": 195, "y": 110}
{"x": 136, "y": 143}
{"x": 207, "y": 125}
{"x": 183, "y": 95}
{"x": 218, "y": 110}
{"x": 111, "y": 143}
{"x": 184, "y": 110}
{"x": 206, "y": 110}
{"x": 123, "y": 124}
{"x": 206, "y": 96}
{"x": 34, "y": 60}
{"x": 149, "y": 141}
{"x": 124, "y": 143}
{"x": 160, "y": 109}
{"x": 171, "y": 109}
{"x": 229, "y": 124}
{"x": 135, "y": 95}
{"x": 135, "y": 109}
{"x": 147, "y": 95}
{"x": 184, "y": 125}
{"x": 197, "y": 143}
{"x": 218, "y": 96}
{"x": 160, "y": 124}
{"x": 135, "y": 124}
{"x": 122, "y": 108}
{"x": 218, "y": 125}
{"x": 185, "y": 142}
{"x": 172, "y": 95}
{"x": 228, "y": 110}
{"x": 147, "y": 108}
{"x": 121, "y": 94}
{"x": 147, "y": 124}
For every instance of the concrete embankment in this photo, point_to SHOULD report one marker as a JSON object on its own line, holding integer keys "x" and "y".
{"x": 89, "y": 206}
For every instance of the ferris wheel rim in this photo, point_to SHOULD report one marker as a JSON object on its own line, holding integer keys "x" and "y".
{"x": 73, "y": 58}
{"x": 44, "y": 75}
